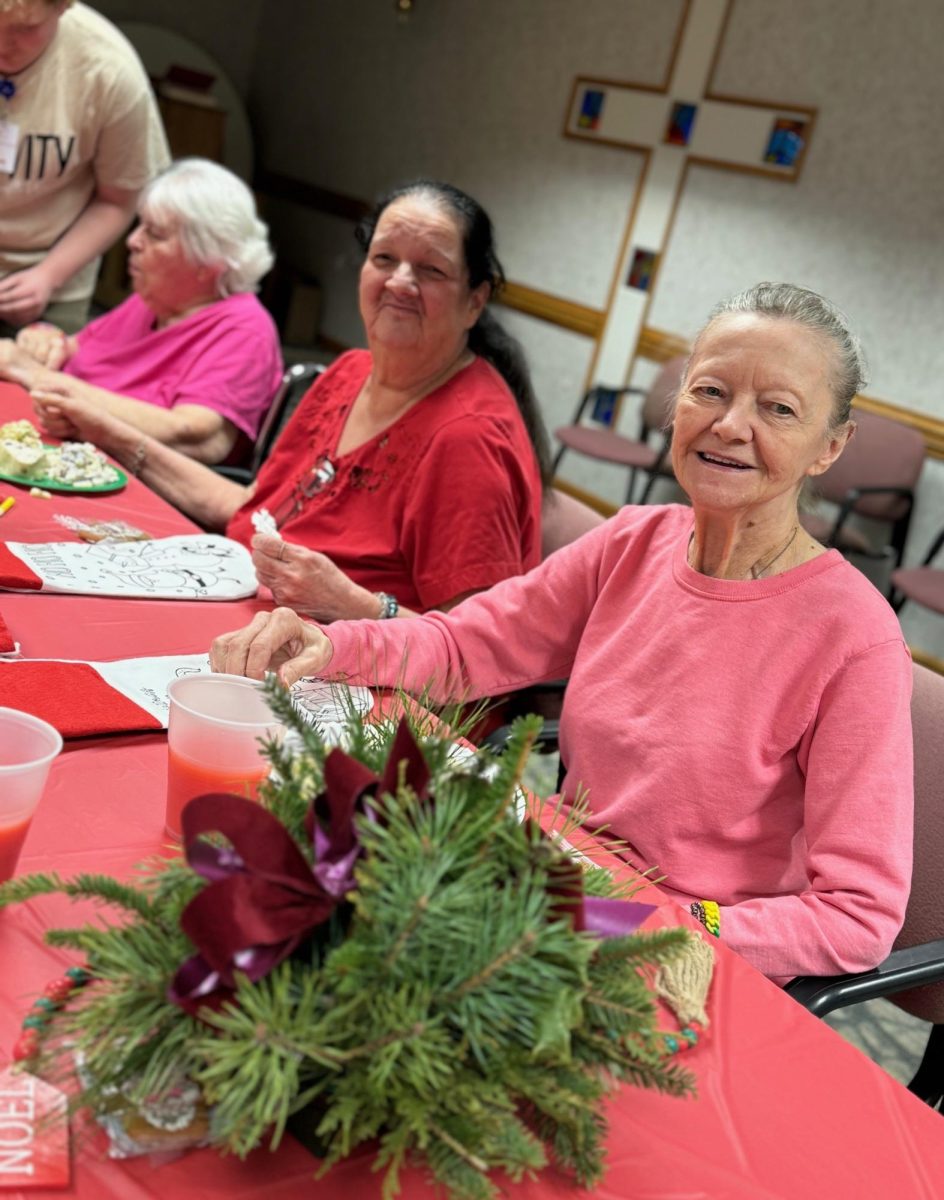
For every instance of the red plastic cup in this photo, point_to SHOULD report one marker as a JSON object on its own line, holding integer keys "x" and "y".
{"x": 215, "y": 730}
{"x": 27, "y": 747}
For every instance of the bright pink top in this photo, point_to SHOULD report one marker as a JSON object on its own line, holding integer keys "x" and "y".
{"x": 749, "y": 740}
{"x": 225, "y": 356}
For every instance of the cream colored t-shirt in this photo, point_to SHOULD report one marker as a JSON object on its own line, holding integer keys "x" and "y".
{"x": 86, "y": 117}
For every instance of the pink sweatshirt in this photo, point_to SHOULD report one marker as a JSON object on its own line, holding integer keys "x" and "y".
{"x": 750, "y": 740}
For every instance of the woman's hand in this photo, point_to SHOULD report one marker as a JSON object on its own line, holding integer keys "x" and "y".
{"x": 15, "y": 364}
{"x": 278, "y": 641}
{"x": 47, "y": 344}
{"x": 25, "y": 294}
{"x": 65, "y": 413}
{"x": 309, "y": 582}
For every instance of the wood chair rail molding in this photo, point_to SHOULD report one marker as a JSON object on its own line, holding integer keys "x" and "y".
{"x": 654, "y": 345}
{"x": 927, "y": 660}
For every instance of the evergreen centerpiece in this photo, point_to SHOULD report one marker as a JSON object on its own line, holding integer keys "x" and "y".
{"x": 383, "y": 948}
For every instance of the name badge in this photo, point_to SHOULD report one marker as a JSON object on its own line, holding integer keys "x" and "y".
{"x": 9, "y": 141}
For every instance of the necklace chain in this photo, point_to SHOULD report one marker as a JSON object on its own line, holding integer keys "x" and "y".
{"x": 757, "y": 570}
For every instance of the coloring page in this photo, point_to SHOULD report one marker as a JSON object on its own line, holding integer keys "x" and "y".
{"x": 199, "y": 566}
{"x": 145, "y": 681}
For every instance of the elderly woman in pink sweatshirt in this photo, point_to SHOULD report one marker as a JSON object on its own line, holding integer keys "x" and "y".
{"x": 738, "y": 706}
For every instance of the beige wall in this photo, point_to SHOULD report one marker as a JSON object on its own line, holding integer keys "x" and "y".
{"x": 345, "y": 97}
{"x": 225, "y": 29}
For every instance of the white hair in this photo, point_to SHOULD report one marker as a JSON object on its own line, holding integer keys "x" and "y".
{"x": 215, "y": 218}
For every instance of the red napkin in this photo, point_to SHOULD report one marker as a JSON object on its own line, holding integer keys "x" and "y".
{"x": 7, "y": 645}
{"x": 14, "y": 573}
{"x": 73, "y": 697}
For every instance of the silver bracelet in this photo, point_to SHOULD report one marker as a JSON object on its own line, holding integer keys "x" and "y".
{"x": 388, "y": 606}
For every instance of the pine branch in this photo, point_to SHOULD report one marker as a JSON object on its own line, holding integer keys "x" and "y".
{"x": 16, "y": 891}
{"x": 444, "y": 1008}
{"x": 523, "y": 946}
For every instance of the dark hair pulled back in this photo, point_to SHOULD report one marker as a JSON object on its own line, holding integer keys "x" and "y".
{"x": 487, "y": 338}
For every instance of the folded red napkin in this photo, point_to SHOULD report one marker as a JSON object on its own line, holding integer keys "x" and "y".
{"x": 71, "y": 696}
{"x": 15, "y": 574}
{"x": 7, "y": 645}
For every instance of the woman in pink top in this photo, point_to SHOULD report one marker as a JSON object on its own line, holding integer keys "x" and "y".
{"x": 191, "y": 358}
{"x": 738, "y": 705}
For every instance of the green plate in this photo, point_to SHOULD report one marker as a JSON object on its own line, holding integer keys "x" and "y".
{"x": 56, "y": 485}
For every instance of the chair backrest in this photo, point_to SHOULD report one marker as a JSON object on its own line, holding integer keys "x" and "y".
{"x": 659, "y": 401}
{"x": 924, "y": 920}
{"x": 881, "y": 453}
{"x": 295, "y": 383}
{"x": 563, "y": 520}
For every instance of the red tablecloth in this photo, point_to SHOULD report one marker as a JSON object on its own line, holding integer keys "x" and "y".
{"x": 786, "y": 1110}
{"x": 51, "y": 626}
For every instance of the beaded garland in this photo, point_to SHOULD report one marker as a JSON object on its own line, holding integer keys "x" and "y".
{"x": 686, "y": 1037}
{"x": 55, "y": 994}
{"x": 58, "y": 991}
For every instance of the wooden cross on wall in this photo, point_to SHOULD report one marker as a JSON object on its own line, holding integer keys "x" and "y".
{"x": 673, "y": 126}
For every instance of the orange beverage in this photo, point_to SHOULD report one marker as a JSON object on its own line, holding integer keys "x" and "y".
{"x": 187, "y": 778}
{"x": 12, "y": 838}
{"x": 27, "y": 748}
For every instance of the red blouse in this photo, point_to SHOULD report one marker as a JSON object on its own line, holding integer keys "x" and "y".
{"x": 446, "y": 500}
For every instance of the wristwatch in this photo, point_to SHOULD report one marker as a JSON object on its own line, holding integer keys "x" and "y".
{"x": 388, "y": 606}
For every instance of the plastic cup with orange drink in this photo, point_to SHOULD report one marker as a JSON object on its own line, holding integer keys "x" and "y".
{"x": 27, "y": 748}
{"x": 215, "y": 731}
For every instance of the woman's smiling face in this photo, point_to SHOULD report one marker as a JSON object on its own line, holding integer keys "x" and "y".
{"x": 752, "y": 420}
{"x": 414, "y": 289}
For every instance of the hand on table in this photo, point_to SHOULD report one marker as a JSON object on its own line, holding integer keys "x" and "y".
{"x": 278, "y": 641}
{"x": 66, "y": 412}
{"x": 308, "y": 581}
{"x": 24, "y": 295}
{"x": 47, "y": 344}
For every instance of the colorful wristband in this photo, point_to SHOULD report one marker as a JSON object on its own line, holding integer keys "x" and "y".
{"x": 708, "y": 912}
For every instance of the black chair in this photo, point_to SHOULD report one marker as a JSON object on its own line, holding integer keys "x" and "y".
{"x": 295, "y": 383}
{"x": 601, "y": 441}
{"x": 912, "y": 976}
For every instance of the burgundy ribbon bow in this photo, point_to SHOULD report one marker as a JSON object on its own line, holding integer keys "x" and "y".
{"x": 264, "y": 898}
{"x": 601, "y": 915}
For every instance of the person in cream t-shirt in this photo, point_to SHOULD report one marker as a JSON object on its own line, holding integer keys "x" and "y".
{"x": 80, "y": 135}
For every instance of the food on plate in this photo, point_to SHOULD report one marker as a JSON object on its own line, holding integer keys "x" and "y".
{"x": 78, "y": 464}
{"x": 21, "y": 451}
{"x": 75, "y": 464}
